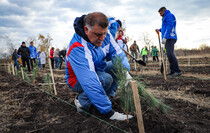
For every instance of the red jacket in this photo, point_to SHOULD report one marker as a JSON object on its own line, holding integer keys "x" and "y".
{"x": 51, "y": 53}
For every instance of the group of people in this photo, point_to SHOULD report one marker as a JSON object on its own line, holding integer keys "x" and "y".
{"x": 90, "y": 56}
{"x": 29, "y": 56}
{"x": 57, "y": 57}
{"x": 134, "y": 49}
{"x": 89, "y": 69}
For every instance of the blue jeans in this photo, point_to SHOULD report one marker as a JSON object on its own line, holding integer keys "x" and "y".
{"x": 56, "y": 59}
{"x": 108, "y": 81}
{"x": 134, "y": 54}
{"x": 171, "y": 56}
{"x": 16, "y": 64}
{"x": 145, "y": 56}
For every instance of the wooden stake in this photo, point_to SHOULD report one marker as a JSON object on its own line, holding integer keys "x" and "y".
{"x": 137, "y": 106}
{"x": 9, "y": 71}
{"x": 5, "y": 67}
{"x": 13, "y": 69}
{"x": 51, "y": 83}
{"x": 22, "y": 72}
{"x": 188, "y": 61}
{"x": 164, "y": 66}
{"x": 135, "y": 65}
{"x": 52, "y": 77}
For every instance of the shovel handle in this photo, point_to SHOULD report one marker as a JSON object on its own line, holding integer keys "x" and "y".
{"x": 157, "y": 33}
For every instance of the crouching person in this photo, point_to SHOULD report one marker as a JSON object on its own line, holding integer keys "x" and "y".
{"x": 89, "y": 64}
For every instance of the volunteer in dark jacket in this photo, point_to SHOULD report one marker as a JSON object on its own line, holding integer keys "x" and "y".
{"x": 15, "y": 58}
{"x": 25, "y": 53}
{"x": 62, "y": 55}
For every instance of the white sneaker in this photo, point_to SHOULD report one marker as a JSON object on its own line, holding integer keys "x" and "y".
{"x": 78, "y": 105}
{"x": 120, "y": 116}
{"x": 80, "y": 109}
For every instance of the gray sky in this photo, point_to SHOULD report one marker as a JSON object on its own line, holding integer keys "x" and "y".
{"x": 20, "y": 19}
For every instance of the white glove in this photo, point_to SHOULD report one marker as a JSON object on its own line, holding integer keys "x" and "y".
{"x": 120, "y": 116}
{"x": 128, "y": 78}
{"x": 164, "y": 41}
{"x": 31, "y": 57}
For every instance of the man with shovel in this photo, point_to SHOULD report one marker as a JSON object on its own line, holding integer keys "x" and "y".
{"x": 169, "y": 38}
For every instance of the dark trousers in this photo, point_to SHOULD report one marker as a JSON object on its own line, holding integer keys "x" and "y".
{"x": 153, "y": 57}
{"x": 171, "y": 56}
{"x": 61, "y": 62}
{"x": 52, "y": 62}
{"x": 157, "y": 58}
{"x": 26, "y": 60}
{"x": 31, "y": 62}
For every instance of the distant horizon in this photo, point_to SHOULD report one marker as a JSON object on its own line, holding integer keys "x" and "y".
{"x": 22, "y": 19}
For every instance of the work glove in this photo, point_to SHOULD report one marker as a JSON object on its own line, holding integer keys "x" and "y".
{"x": 120, "y": 116}
{"x": 128, "y": 78}
{"x": 164, "y": 41}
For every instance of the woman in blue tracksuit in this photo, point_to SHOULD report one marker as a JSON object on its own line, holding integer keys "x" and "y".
{"x": 87, "y": 69}
{"x": 169, "y": 37}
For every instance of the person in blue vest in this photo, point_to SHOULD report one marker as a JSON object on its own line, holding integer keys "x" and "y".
{"x": 169, "y": 38}
{"x": 89, "y": 63}
{"x": 33, "y": 54}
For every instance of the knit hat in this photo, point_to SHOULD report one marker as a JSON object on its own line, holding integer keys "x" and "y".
{"x": 119, "y": 22}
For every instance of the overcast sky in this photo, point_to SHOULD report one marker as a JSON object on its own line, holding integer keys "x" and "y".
{"x": 20, "y": 19}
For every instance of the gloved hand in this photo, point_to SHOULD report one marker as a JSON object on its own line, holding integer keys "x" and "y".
{"x": 120, "y": 116}
{"x": 31, "y": 57}
{"x": 128, "y": 78}
{"x": 164, "y": 41}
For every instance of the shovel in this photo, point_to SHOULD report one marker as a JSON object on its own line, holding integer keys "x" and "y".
{"x": 138, "y": 61}
{"x": 163, "y": 67}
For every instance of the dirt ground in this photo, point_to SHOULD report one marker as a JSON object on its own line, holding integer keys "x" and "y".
{"x": 25, "y": 108}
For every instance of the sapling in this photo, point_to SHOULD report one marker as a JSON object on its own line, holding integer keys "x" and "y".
{"x": 26, "y": 75}
{"x": 34, "y": 72}
{"x": 125, "y": 92}
{"x": 47, "y": 79}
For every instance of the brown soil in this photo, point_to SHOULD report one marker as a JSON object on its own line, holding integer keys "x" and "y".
{"x": 25, "y": 108}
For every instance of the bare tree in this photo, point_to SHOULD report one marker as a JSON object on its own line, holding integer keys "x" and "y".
{"x": 204, "y": 48}
{"x": 8, "y": 47}
{"x": 145, "y": 37}
{"x": 44, "y": 43}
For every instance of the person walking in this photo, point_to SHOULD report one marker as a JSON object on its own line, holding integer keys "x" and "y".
{"x": 153, "y": 53}
{"x": 156, "y": 53}
{"x": 87, "y": 70}
{"x": 134, "y": 48}
{"x": 51, "y": 57}
{"x": 33, "y": 54}
{"x": 169, "y": 38}
{"x": 56, "y": 58}
{"x": 42, "y": 57}
{"x": 15, "y": 58}
{"x": 25, "y": 53}
{"x": 144, "y": 53}
{"x": 62, "y": 57}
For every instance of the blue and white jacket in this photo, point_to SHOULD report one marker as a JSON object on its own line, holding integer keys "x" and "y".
{"x": 32, "y": 51}
{"x": 83, "y": 60}
{"x": 168, "y": 29}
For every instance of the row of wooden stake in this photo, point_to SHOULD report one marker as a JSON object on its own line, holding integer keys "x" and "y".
{"x": 133, "y": 84}
{"x": 9, "y": 65}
